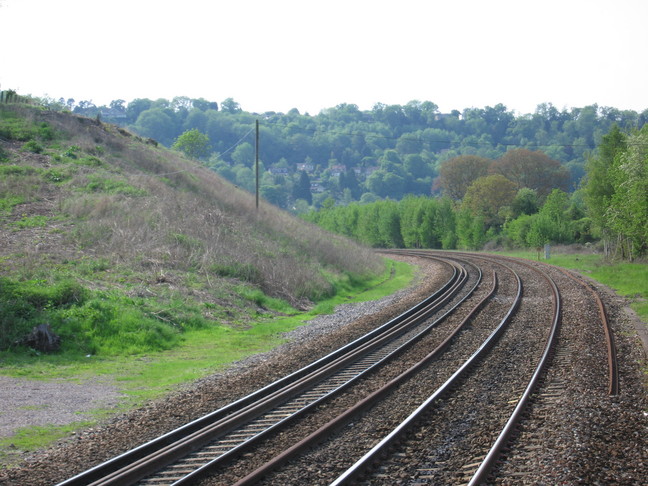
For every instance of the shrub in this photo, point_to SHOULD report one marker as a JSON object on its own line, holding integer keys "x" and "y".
{"x": 7, "y": 204}
{"x": 26, "y": 304}
{"x": 17, "y": 170}
{"x": 112, "y": 186}
{"x": 33, "y": 146}
{"x": 110, "y": 325}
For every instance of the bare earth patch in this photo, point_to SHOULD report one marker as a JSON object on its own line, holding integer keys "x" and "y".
{"x": 29, "y": 403}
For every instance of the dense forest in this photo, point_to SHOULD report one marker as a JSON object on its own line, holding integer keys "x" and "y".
{"x": 347, "y": 154}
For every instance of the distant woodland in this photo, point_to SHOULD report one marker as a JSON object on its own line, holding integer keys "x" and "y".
{"x": 422, "y": 178}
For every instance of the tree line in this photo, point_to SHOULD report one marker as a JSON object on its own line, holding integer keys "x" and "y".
{"x": 518, "y": 200}
{"x": 348, "y": 154}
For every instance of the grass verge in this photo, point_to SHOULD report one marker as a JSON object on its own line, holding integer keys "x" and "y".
{"x": 29, "y": 439}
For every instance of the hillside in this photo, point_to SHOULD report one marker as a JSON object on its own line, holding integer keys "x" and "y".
{"x": 98, "y": 225}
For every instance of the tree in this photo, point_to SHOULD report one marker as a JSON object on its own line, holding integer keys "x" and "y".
{"x": 599, "y": 186}
{"x": 230, "y": 106}
{"x": 302, "y": 189}
{"x": 488, "y": 196}
{"x": 532, "y": 169}
{"x": 628, "y": 210}
{"x": 136, "y": 107}
{"x": 458, "y": 173}
{"x": 554, "y": 219}
{"x": 349, "y": 181}
{"x": 525, "y": 202}
{"x": 244, "y": 154}
{"x": 416, "y": 166}
{"x": 156, "y": 123}
{"x": 193, "y": 143}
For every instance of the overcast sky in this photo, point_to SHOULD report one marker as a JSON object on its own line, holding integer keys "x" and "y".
{"x": 274, "y": 55}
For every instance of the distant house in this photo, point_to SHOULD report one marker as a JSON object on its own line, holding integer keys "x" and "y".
{"x": 113, "y": 114}
{"x": 316, "y": 186}
{"x": 279, "y": 170}
{"x": 370, "y": 170}
{"x": 442, "y": 116}
{"x": 308, "y": 168}
{"x": 337, "y": 170}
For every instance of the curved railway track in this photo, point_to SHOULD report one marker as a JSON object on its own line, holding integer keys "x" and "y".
{"x": 460, "y": 368}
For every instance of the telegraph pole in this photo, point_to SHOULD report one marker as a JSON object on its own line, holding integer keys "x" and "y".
{"x": 257, "y": 164}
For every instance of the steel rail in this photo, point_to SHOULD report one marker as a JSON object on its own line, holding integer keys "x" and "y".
{"x": 493, "y": 454}
{"x": 364, "y": 404}
{"x": 613, "y": 367}
{"x": 113, "y": 471}
{"x": 373, "y": 455}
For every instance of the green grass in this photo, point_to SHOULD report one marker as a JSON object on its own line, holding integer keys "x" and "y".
{"x": 28, "y": 439}
{"x": 627, "y": 279}
{"x": 37, "y": 221}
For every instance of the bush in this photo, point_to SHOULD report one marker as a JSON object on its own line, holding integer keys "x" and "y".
{"x": 26, "y": 304}
{"x": 112, "y": 326}
{"x": 33, "y": 146}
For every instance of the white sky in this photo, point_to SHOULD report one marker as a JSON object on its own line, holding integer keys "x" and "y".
{"x": 274, "y": 55}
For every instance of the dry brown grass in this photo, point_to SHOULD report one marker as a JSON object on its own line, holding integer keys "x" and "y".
{"x": 153, "y": 209}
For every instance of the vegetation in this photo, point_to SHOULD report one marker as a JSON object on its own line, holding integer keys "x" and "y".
{"x": 390, "y": 151}
{"x": 125, "y": 247}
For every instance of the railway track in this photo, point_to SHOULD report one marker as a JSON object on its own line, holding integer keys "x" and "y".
{"x": 462, "y": 336}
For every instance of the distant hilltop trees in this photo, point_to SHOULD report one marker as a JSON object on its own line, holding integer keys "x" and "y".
{"x": 390, "y": 151}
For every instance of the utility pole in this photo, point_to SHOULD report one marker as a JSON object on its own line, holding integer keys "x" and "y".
{"x": 256, "y": 155}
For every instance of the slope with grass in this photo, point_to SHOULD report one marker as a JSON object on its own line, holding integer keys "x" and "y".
{"x": 124, "y": 247}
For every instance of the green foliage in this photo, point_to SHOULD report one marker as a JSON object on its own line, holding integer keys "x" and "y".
{"x": 414, "y": 222}
{"x": 552, "y": 224}
{"x": 27, "y": 439}
{"x": 8, "y": 203}
{"x": 627, "y": 215}
{"x": 599, "y": 187}
{"x": 25, "y": 304}
{"x": 57, "y": 175}
{"x": 112, "y": 186}
{"x": 112, "y": 325}
{"x": 392, "y": 151}
{"x": 15, "y": 127}
{"x": 88, "y": 322}
{"x": 193, "y": 143}
{"x": 37, "y": 221}
{"x": 33, "y": 146}
{"x": 616, "y": 188}
{"x": 239, "y": 270}
{"x": 17, "y": 170}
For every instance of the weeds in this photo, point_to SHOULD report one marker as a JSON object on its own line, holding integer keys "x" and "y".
{"x": 37, "y": 221}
